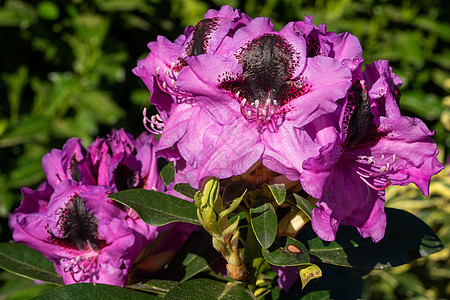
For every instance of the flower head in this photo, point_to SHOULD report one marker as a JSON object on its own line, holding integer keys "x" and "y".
{"x": 257, "y": 88}
{"x": 373, "y": 148}
{"x": 70, "y": 219}
{"x": 76, "y": 228}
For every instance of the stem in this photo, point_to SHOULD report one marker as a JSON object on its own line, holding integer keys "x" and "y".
{"x": 253, "y": 258}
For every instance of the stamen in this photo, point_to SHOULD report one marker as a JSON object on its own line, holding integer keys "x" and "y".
{"x": 368, "y": 169}
{"x": 243, "y": 102}
{"x": 155, "y": 121}
{"x": 166, "y": 83}
{"x": 377, "y": 188}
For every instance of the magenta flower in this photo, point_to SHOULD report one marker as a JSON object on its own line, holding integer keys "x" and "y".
{"x": 373, "y": 148}
{"x": 75, "y": 226}
{"x": 87, "y": 236}
{"x": 240, "y": 105}
{"x": 160, "y": 69}
{"x": 343, "y": 46}
{"x": 118, "y": 161}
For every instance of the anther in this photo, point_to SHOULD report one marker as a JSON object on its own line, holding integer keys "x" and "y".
{"x": 237, "y": 94}
{"x": 394, "y": 158}
{"x": 243, "y": 102}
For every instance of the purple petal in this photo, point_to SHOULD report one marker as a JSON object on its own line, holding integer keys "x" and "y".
{"x": 202, "y": 80}
{"x": 329, "y": 81}
{"x": 227, "y": 150}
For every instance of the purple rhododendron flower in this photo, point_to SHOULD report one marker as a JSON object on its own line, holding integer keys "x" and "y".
{"x": 69, "y": 218}
{"x": 237, "y": 106}
{"x": 76, "y": 227}
{"x": 373, "y": 148}
{"x": 160, "y": 69}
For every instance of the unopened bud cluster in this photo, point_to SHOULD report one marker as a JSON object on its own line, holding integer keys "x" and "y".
{"x": 214, "y": 218}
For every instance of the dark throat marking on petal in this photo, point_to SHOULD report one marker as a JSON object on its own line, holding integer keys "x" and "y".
{"x": 358, "y": 125}
{"x": 358, "y": 118}
{"x": 125, "y": 177}
{"x": 312, "y": 46}
{"x": 199, "y": 42}
{"x": 266, "y": 83}
{"x": 197, "y": 45}
{"x": 201, "y": 36}
{"x": 73, "y": 169}
{"x": 78, "y": 228}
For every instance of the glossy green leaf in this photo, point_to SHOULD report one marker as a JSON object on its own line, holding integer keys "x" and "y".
{"x": 286, "y": 251}
{"x": 206, "y": 289}
{"x": 24, "y": 261}
{"x": 168, "y": 173}
{"x": 278, "y": 192}
{"x": 17, "y": 287}
{"x": 89, "y": 291}
{"x": 185, "y": 190}
{"x": 406, "y": 238}
{"x": 194, "y": 257}
{"x": 264, "y": 224}
{"x": 304, "y": 205}
{"x": 155, "y": 285}
{"x": 156, "y": 208}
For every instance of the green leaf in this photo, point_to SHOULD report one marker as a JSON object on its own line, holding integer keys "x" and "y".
{"x": 168, "y": 173}
{"x": 194, "y": 257}
{"x": 156, "y": 208}
{"x": 304, "y": 205}
{"x": 28, "y": 130}
{"x": 185, "y": 190}
{"x": 24, "y": 261}
{"x": 286, "y": 251}
{"x": 155, "y": 285}
{"x": 17, "y": 287}
{"x": 278, "y": 192}
{"x": 264, "y": 223}
{"x": 406, "y": 238}
{"x": 89, "y": 291}
{"x": 48, "y": 10}
{"x": 206, "y": 289}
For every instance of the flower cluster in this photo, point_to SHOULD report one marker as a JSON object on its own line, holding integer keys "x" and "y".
{"x": 69, "y": 218}
{"x": 233, "y": 93}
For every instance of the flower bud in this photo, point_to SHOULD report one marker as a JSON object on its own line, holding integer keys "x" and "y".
{"x": 218, "y": 245}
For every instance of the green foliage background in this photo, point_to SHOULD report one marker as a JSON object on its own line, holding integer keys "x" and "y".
{"x": 65, "y": 70}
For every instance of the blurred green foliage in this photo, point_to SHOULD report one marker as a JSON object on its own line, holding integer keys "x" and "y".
{"x": 65, "y": 70}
